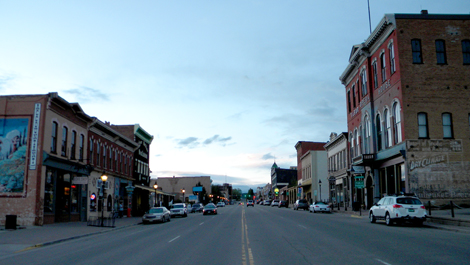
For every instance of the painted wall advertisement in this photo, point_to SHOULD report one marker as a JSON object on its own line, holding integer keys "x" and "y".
{"x": 13, "y": 144}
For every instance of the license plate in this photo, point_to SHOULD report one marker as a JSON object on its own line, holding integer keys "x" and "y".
{"x": 411, "y": 210}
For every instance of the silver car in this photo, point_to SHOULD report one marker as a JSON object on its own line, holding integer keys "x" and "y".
{"x": 398, "y": 209}
{"x": 156, "y": 214}
{"x": 179, "y": 209}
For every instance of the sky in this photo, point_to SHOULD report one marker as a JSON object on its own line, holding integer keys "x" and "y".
{"x": 226, "y": 87}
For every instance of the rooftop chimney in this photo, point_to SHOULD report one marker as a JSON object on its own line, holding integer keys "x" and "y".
{"x": 424, "y": 12}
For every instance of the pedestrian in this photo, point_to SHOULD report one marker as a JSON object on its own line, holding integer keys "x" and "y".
{"x": 121, "y": 210}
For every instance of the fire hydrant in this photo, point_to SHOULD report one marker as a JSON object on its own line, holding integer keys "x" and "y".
{"x": 128, "y": 212}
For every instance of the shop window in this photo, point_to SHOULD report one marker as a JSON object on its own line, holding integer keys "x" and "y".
{"x": 49, "y": 193}
{"x": 54, "y": 138}
{"x": 74, "y": 196}
{"x": 109, "y": 203}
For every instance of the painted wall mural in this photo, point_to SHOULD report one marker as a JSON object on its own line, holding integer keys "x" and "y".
{"x": 13, "y": 144}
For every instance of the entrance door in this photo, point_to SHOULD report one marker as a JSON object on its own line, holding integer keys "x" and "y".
{"x": 370, "y": 193}
{"x": 62, "y": 207}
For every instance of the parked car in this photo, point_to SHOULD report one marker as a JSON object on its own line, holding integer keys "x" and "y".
{"x": 283, "y": 203}
{"x": 178, "y": 209}
{"x": 210, "y": 208}
{"x": 156, "y": 214}
{"x": 301, "y": 204}
{"x": 319, "y": 207}
{"x": 220, "y": 204}
{"x": 398, "y": 209}
{"x": 197, "y": 208}
{"x": 267, "y": 202}
{"x": 275, "y": 203}
{"x": 250, "y": 203}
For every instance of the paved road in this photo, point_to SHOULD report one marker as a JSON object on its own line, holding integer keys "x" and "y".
{"x": 258, "y": 235}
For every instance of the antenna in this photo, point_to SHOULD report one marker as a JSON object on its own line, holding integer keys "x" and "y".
{"x": 370, "y": 26}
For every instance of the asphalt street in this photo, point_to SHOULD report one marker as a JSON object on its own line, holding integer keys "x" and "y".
{"x": 258, "y": 235}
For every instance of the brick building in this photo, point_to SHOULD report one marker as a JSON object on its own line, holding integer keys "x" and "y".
{"x": 408, "y": 107}
{"x": 311, "y": 171}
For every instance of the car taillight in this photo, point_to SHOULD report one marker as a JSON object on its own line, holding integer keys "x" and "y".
{"x": 327, "y": 206}
{"x": 397, "y": 206}
{"x": 422, "y": 207}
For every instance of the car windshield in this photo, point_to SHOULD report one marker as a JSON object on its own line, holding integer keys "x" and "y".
{"x": 320, "y": 203}
{"x": 156, "y": 210}
{"x": 177, "y": 206}
{"x": 413, "y": 201}
{"x": 209, "y": 206}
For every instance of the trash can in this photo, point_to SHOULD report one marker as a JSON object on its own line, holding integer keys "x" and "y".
{"x": 10, "y": 222}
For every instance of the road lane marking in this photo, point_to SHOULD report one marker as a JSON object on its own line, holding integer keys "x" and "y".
{"x": 383, "y": 262}
{"x": 245, "y": 235}
{"x": 201, "y": 223}
{"x": 302, "y": 226}
{"x": 173, "y": 239}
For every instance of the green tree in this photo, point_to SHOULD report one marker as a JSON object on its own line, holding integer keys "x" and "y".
{"x": 250, "y": 194}
{"x": 236, "y": 194}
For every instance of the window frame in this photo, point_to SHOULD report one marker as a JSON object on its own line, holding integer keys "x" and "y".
{"x": 374, "y": 69}
{"x": 424, "y": 125}
{"x": 54, "y": 131}
{"x": 449, "y": 126}
{"x": 63, "y": 149}
{"x": 73, "y": 145}
{"x": 353, "y": 88}
{"x": 441, "y": 55}
{"x": 383, "y": 67}
{"x": 378, "y": 131}
{"x": 466, "y": 52}
{"x": 81, "y": 147}
{"x": 391, "y": 53}
{"x": 397, "y": 123}
{"x": 416, "y": 51}
{"x": 363, "y": 83}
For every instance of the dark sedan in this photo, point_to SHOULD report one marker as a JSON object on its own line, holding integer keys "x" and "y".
{"x": 283, "y": 204}
{"x": 210, "y": 208}
{"x": 197, "y": 208}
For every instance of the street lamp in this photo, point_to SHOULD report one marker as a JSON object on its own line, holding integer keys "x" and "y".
{"x": 155, "y": 186}
{"x": 183, "y": 194}
{"x": 319, "y": 183}
{"x": 103, "y": 180}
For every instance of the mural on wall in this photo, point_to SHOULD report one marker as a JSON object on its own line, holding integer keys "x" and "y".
{"x": 13, "y": 144}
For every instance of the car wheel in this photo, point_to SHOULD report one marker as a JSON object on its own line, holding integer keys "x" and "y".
{"x": 419, "y": 222}
{"x": 371, "y": 217}
{"x": 185, "y": 215}
{"x": 388, "y": 220}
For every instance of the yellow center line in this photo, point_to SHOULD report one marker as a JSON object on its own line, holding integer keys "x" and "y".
{"x": 245, "y": 235}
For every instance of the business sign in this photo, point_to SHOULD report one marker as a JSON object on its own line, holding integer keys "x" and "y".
{"x": 35, "y": 137}
{"x": 359, "y": 182}
{"x": 358, "y": 169}
{"x": 197, "y": 189}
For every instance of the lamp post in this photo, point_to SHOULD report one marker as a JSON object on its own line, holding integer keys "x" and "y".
{"x": 155, "y": 186}
{"x": 319, "y": 183}
{"x": 103, "y": 180}
{"x": 183, "y": 193}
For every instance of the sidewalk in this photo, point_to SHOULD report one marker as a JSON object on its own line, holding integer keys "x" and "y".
{"x": 36, "y": 236}
{"x": 440, "y": 219}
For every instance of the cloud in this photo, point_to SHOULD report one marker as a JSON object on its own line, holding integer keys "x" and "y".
{"x": 86, "y": 94}
{"x": 4, "y": 80}
{"x": 268, "y": 156}
{"x": 190, "y": 142}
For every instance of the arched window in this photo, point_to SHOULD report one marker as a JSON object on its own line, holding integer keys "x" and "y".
{"x": 367, "y": 135}
{"x": 383, "y": 67}
{"x": 351, "y": 140}
{"x": 397, "y": 122}
{"x": 392, "y": 58}
{"x": 388, "y": 129}
{"x": 357, "y": 135}
{"x": 378, "y": 127}
{"x": 364, "y": 83}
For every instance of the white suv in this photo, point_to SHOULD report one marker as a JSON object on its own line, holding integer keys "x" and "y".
{"x": 398, "y": 209}
{"x": 179, "y": 209}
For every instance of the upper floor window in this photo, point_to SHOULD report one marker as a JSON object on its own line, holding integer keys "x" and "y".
{"x": 378, "y": 127}
{"x": 357, "y": 134}
{"x": 447, "y": 125}
{"x": 397, "y": 122}
{"x": 416, "y": 51}
{"x": 354, "y": 96}
{"x": 97, "y": 154}
{"x": 125, "y": 164}
{"x": 367, "y": 135}
{"x": 54, "y": 137}
{"x": 63, "y": 150}
{"x": 374, "y": 69}
{"x": 441, "y": 52}
{"x": 73, "y": 143}
{"x": 364, "y": 83}
{"x": 422, "y": 125}
{"x": 80, "y": 147}
{"x": 388, "y": 129}
{"x": 104, "y": 156}
{"x": 91, "y": 151}
{"x": 349, "y": 101}
{"x": 466, "y": 51}
{"x": 392, "y": 58}
{"x": 351, "y": 140}
{"x": 383, "y": 67}
{"x": 110, "y": 158}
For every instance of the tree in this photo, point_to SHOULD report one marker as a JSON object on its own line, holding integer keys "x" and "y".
{"x": 236, "y": 194}
{"x": 250, "y": 194}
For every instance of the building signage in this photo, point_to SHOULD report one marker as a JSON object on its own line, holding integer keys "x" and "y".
{"x": 359, "y": 182}
{"x": 80, "y": 180}
{"x": 427, "y": 161}
{"x": 34, "y": 137}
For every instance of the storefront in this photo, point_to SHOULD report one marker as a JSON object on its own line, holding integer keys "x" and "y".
{"x": 64, "y": 190}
